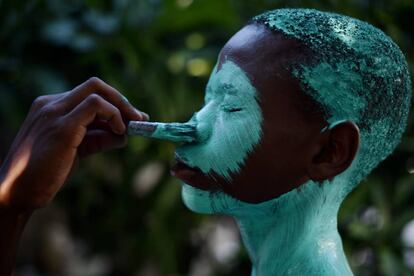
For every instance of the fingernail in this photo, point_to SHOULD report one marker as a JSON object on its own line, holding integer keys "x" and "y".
{"x": 146, "y": 116}
{"x": 143, "y": 115}
{"x": 125, "y": 99}
{"x": 121, "y": 130}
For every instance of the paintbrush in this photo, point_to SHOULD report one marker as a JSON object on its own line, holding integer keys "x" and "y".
{"x": 175, "y": 132}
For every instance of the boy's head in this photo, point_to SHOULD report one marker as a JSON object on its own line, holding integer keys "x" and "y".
{"x": 297, "y": 95}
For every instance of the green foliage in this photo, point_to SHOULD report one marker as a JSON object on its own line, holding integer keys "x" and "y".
{"x": 124, "y": 205}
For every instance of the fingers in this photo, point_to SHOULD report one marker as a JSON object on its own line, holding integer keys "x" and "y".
{"x": 41, "y": 101}
{"x": 99, "y": 124}
{"x": 100, "y": 140}
{"x": 94, "y": 107}
{"x": 96, "y": 86}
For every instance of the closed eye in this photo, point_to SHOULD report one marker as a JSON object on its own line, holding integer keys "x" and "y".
{"x": 234, "y": 109}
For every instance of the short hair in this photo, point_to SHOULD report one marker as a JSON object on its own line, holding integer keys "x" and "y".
{"x": 357, "y": 73}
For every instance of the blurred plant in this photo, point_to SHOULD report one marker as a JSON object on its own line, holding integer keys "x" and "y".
{"x": 121, "y": 213}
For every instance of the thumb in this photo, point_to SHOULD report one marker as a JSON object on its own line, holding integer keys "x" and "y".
{"x": 97, "y": 140}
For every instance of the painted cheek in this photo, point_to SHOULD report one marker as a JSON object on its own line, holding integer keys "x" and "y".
{"x": 226, "y": 137}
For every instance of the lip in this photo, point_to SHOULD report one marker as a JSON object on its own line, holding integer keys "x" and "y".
{"x": 182, "y": 170}
{"x": 190, "y": 175}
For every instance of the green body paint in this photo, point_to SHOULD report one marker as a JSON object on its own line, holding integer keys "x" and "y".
{"x": 228, "y": 126}
{"x": 324, "y": 79}
{"x": 294, "y": 234}
{"x": 357, "y": 74}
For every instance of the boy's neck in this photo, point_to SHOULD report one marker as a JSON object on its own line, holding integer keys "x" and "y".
{"x": 295, "y": 234}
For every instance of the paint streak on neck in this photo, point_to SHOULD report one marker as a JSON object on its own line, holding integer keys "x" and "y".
{"x": 294, "y": 234}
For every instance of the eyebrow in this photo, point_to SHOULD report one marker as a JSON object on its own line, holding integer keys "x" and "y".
{"x": 228, "y": 88}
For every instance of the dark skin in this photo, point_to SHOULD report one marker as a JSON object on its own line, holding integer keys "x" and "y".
{"x": 58, "y": 130}
{"x": 91, "y": 118}
{"x": 292, "y": 150}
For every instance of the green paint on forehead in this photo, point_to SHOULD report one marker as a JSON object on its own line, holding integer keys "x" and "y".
{"x": 228, "y": 125}
{"x": 356, "y": 73}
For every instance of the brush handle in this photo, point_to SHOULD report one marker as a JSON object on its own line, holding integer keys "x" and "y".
{"x": 142, "y": 128}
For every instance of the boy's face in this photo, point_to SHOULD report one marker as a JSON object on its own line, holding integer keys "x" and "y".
{"x": 255, "y": 142}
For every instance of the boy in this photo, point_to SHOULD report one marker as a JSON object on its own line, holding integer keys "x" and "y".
{"x": 301, "y": 106}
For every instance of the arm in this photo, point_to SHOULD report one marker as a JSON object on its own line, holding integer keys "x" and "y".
{"x": 57, "y": 131}
{"x": 12, "y": 225}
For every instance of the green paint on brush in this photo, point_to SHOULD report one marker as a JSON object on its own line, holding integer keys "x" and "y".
{"x": 228, "y": 125}
{"x": 175, "y": 132}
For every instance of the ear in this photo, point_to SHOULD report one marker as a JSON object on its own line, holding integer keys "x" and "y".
{"x": 334, "y": 151}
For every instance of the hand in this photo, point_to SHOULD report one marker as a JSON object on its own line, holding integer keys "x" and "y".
{"x": 58, "y": 129}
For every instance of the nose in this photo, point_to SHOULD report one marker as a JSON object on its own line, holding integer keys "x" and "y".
{"x": 203, "y": 119}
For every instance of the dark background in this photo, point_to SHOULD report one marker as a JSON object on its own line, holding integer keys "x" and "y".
{"x": 121, "y": 212}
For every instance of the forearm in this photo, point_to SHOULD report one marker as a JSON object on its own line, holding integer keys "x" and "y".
{"x": 11, "y": 228}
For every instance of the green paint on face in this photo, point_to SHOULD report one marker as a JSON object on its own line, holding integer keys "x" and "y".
{"x": 228, "y": 126}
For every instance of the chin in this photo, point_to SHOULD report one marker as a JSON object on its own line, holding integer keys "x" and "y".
{"x": 209, "y": 202}
{"x": 200, "y": 192}
{"x": 197, "y": 200}
{"x": 197, "y": 188}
